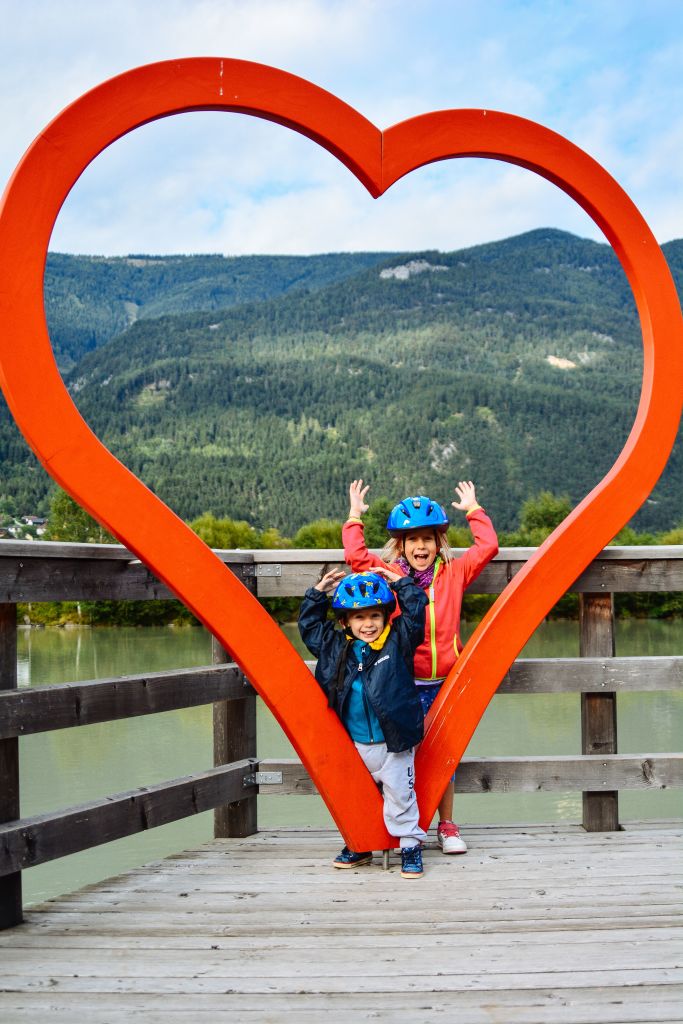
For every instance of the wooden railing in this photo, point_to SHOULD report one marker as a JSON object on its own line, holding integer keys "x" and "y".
{"x": 42, "y": 571}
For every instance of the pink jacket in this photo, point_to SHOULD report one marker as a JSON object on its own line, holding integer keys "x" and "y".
{"x": 437, "y": 653}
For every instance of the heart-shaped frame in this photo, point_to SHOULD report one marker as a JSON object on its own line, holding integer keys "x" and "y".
{"x": 77, "y": 460}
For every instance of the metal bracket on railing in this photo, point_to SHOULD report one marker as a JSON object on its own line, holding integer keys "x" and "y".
{"x": 247, "y": 570}
{"x": 262, "y": 779}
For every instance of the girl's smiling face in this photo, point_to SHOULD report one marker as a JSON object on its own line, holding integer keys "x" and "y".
{"x": 420, "y": 548}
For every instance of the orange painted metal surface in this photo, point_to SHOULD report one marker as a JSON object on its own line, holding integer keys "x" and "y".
{"x": 86, "y": 469}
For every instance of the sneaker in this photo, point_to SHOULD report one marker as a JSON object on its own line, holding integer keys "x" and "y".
{"x": 411, "y": 862}
{"x": 449, "y": 839}
{"x": 348, "y": 859}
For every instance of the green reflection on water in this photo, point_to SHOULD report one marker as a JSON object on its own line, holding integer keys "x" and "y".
{"x": 71, "y": 766}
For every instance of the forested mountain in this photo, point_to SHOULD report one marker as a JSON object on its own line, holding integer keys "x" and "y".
{"x": 89, "y": 299}
{"x": 516, "y": 364}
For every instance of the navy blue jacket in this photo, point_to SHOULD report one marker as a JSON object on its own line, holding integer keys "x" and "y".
{"x": 387, "y": 674}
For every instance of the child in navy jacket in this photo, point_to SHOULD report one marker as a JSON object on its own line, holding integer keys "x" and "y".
{"x": 366, "y": 670}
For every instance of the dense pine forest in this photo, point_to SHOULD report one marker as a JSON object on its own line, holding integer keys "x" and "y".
{"x": 255, "y": 388}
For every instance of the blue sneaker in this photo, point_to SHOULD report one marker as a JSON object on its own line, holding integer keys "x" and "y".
{"x": 411, "y": 862}
{"x": 348, "y": 859}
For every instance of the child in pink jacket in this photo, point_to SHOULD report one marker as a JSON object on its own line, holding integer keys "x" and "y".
{"x": 418, "y": 547}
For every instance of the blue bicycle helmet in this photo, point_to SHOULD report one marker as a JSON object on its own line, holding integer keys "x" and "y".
{"x": 416, "y": 512}
{"x": 363, "y": 590}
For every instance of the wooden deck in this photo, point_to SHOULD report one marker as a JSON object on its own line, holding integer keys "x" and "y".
{"x": 537, "y": 924}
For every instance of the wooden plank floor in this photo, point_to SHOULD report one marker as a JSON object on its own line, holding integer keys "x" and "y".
{"x": 536, "y": 925}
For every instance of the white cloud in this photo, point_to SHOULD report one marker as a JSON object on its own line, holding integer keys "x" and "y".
{"x": 605, "y": 75}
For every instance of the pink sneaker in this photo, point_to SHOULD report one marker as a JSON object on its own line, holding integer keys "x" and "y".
{"x": 449, "y": 838}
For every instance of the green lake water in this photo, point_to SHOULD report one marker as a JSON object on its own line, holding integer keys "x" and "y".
{"x": 71, "y": 766}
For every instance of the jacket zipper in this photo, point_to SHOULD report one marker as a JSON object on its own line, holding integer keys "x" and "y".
{"x": 367, "y": 717}
{"x": 365, "y": 704}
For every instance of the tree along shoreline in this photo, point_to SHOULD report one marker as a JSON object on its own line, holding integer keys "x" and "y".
{"x": 106, "y": 614}
{"x": 538, "y": 517}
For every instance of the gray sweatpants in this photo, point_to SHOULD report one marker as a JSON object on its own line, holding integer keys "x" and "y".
{"x": 396, "y": 773}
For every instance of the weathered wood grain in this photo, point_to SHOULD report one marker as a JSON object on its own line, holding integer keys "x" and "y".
{"x": 529, "y": 775}
{"x": 591, "y": 675}
{"x": 309, "y": 900}
{"x": 291, "y": 939}
{"x": 63, "y": 706}
{"x": 616, "y": 570}
{"x": 598, "y": 675}
{"x": 88, "y": 921}
{"x": 234, "y": 738}
{"x": 10, "y": 884}
{"x": 66, "y": 705}
{"x": 588, "y": 675}
{"x": 310, "y": 887}
{"x": 635, "y": 1001}
{"x": 46, "y": 571}
{"x": 289, "y": 967}
{"x": 52, "y": 571}
{"x": 598, "y": 710}
{"x": 66, "y": 941}
{"x": 44, "y": 837}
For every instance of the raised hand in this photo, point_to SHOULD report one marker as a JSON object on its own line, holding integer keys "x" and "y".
{"x": 330, "y": 581}
{"x": 467, "y": 496}
{"x": 357, "y": 504}
{"x": 387, "y": 574}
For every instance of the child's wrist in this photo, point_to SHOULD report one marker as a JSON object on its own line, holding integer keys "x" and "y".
{"x": 354, "y": 517}
{"x": 474, "y": 508}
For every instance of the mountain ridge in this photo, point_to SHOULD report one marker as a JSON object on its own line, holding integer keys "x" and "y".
{"x": 515, "y": 363}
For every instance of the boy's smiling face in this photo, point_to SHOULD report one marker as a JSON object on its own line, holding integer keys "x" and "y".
{"x": 420, "y": 548}
{"x": 366, "y": 624}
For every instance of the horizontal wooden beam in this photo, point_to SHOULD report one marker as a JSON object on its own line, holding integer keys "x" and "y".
{"x": 590, "y": 772}
{"x": 31, "y": 841}
{"x": 594, "y": 675}
{"x": 44, "y": 708}
{"x": 590, "y": 675}
{"x": 631, "y": 575}
{"x": 264, "y": 556}
{"x": 70, "y": 550}
{"x": 527, "y": 774}
{"x": 48, "y": 571}
{"x": 637, "y": 569}
{"x": 51, "y": 571}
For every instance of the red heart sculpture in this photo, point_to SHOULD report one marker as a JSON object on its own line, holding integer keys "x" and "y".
{"x": 83, "y": 466}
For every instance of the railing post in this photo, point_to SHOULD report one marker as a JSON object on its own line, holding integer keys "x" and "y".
{"x": 598, "y": 710}
{"x": 234, "y": 738}
{"x": 11, "y": 911}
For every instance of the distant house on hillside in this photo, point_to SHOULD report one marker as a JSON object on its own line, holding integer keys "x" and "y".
{"x": 37, "y": 523}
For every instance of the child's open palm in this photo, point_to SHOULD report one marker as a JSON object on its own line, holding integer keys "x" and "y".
{"x": 329, "y": 581}
{"x": 357, "y": 503}
{"x": 467, "y": 496}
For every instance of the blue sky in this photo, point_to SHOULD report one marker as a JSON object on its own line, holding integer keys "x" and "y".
{"x": 607, "y": 75}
